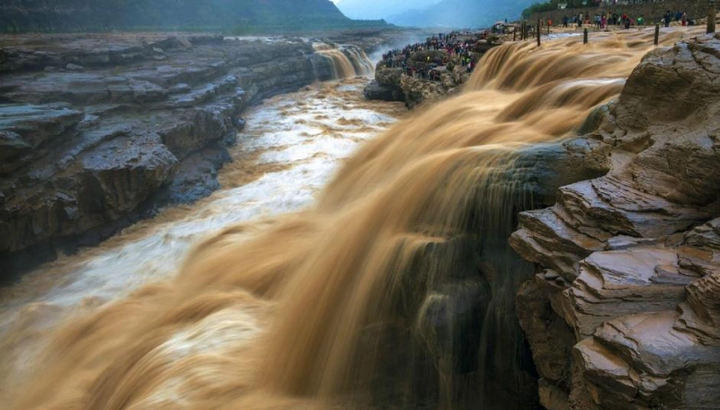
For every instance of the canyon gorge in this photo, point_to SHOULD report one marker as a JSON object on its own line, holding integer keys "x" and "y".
{"x": 226, "y": 222}
{"x": 99, "y": 131}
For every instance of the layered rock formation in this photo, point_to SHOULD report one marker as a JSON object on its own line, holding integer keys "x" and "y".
{"x": 96, "y": 132}
{"x": 624, "y": 313}
{"x": 391, "y": 84}
{"x": 394, "y": 83}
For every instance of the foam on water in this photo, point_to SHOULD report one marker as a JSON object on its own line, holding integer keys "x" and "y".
{"x": 305, "y": 141}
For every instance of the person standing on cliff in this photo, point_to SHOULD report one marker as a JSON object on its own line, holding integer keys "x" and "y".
{"x": 668, "y": 18}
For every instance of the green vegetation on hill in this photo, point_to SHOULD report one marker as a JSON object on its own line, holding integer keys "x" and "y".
{"x": 241, "y": 16}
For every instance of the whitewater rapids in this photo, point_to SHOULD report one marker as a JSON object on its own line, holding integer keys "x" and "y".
{"x": 291, "y": 146}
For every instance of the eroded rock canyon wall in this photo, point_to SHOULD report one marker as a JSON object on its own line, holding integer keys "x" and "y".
{"x": 98, "y": 131}
{"x": 624, "y": 313}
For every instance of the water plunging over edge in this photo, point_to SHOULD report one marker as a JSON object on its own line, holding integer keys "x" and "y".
{"x": 377, "y": 292}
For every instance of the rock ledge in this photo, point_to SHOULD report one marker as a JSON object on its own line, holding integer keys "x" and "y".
{"x": 629, "y": 262}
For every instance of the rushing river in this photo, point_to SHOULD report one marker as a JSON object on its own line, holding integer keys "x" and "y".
{"x": 290, "y": 148}
{"x": 386, "y": 282}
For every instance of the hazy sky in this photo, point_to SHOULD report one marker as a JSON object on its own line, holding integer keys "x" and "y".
{"x": 376, "y": 9}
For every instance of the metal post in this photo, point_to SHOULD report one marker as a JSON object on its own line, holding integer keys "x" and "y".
{"x": 657, "y": 34}
{"x": 538, "y": 32}
{"x": 711, "y": 17}
{"x": 515, "y": 33}
{"x": 585, "y": 36}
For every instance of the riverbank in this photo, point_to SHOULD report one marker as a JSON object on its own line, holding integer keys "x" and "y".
{"x": 290, "y": 147}
{"x": 100, "y": 130}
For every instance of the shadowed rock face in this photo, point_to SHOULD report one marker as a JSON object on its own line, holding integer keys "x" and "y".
{"x": 630, "y": 262}
{"x": 385, "y": 87}
{"x": 470, "y": 332}
{"x": 96, "y": 132}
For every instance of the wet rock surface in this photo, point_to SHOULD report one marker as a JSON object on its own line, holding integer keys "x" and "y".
{"x": 629, "y": 262}
{"x": 396, "y": 83}
{"x": 97, "y": 131}
{"x": 391, "y": 84}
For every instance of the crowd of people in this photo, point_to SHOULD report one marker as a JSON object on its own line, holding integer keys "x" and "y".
{"x": 605, "y": 20}
{"x": 679, "y": 16}
{"x": 426, "y": 60}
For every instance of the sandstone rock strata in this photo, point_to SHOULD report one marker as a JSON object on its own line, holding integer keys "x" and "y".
{"x": 629, "y": 262}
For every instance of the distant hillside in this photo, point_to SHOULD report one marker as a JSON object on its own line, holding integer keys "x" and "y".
{"x": 463, "y": 13}
{"x": 380, "y": 9}
{"x": 226, "y": 15}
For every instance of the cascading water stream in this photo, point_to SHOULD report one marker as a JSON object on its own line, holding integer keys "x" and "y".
{"x": 345, "y": 61}
{"x": 396, "y": 289}
{"x": 361, "y": 61}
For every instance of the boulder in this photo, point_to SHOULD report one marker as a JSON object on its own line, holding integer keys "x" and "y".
{"x": 126, "y": 171}
{"x": 389, "y": 76}
{"x": 377, "y": 91}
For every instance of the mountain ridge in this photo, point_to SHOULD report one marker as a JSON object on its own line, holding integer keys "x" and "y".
{"x": 462, "y": 13}
{"x": 225, "y": 15}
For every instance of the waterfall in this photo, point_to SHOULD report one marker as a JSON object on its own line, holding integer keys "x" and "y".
{"x": 395, "y": 290}
{"x": 347, "y": 61}
{"x": 361, "y": 61}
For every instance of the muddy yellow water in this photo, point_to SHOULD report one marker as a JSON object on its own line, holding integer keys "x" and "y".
{"x": 328, "y": 252}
